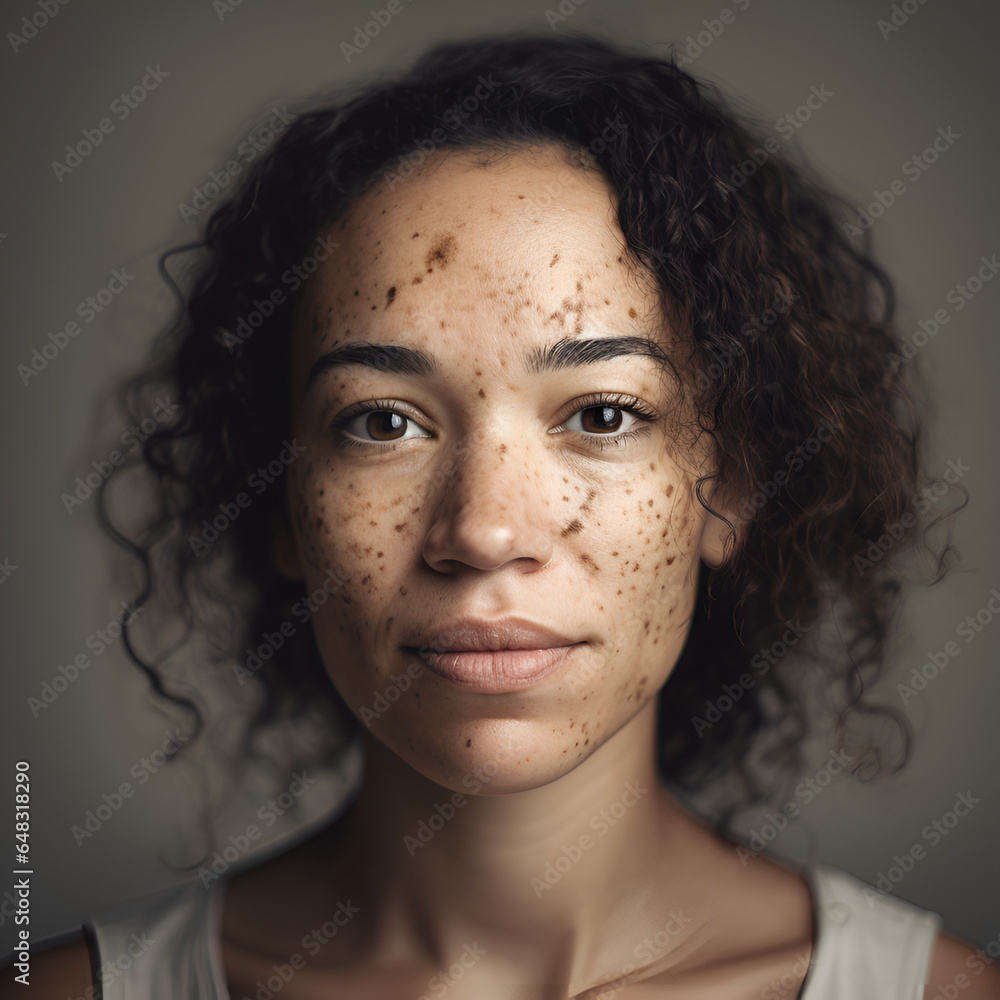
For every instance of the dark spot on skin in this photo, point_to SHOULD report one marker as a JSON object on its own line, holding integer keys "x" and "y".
{"x": 502, "y": 449}
{"x": 632, "y": 312}
{"x": 554, "y": 261}
{"x": 670, "y": 559}
{"x": 355, "y": 291}
{"x": 416, "y": 280}
{"x": 373, "y": 308}
{"x": 389, "y": 296}
{"x": 589, "y": 563}
{"x": 585, "y": 506}
{"x": 579, "y": 286}
{"x": 468, "y": 743}
{"x": 670, "y": 489}
{"x": 414, "y": 236}
{"x": 572, "y": 528}
{"x": 402, "y": 591}
{"x": 520, "y": 196}
{"x": 482, "y": 394}
{"x": 441, "y": 252}
{"x": 400, "y": 527}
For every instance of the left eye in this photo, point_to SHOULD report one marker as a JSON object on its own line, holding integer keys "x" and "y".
{"x": 603, "y": 419}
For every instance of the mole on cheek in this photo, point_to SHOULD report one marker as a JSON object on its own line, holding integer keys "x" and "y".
{"x": 389, "y": 296}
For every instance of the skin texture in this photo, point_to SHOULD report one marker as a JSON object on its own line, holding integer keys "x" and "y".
{"x": 481, "y": 510}
{"x": 493, "y": 513}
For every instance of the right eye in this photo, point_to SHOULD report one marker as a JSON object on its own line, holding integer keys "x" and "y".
{"x": 374, "y": 425}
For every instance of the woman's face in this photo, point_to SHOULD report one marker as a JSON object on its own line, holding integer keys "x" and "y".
{"x": 486, "y": 482}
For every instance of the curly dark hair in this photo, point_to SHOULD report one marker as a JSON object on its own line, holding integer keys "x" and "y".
{"x": 792, "y": 371}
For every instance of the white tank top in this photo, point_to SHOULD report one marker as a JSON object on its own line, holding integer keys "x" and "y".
{"x": 867, "y": 945}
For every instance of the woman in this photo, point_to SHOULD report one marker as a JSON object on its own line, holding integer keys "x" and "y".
{"x": 552, "y": 413}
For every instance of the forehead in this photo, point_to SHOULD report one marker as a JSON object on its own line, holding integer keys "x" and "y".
{"x": 520, "y": 246}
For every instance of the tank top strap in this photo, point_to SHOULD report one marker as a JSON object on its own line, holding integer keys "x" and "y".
{"x": 868, "y": 945}
{"x": 162, "y": 946}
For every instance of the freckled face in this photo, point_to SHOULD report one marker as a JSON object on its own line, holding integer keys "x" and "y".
{"x": 483, "y": 487}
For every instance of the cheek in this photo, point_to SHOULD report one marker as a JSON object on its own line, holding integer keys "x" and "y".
{"x": 652, "y": 576}
{"x": 367, "y": 538}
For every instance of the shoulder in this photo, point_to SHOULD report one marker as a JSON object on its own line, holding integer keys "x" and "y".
{"x": 56, "y": 973}
{"x": 958, "y": 967}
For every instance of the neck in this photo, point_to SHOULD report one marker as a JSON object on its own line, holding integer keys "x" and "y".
{"x": 547, "y": 870}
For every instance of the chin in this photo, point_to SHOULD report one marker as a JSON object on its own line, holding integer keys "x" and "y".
{"x": 488, "y": 756}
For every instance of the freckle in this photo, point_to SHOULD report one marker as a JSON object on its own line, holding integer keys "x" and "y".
{"x": 566, "y": 498}
{"x": 378, "y": 555}
{"x": 670, "y": 489}
{"x": 572, "y": 528}
{"x": 374, "y": 524}
{"x": 482, "y": 394}
{"x": 355, "y": 291}
{"x": 389, "y": 296}
{"x": 649, "y": 503}
{"x": 399, "y": 527}
{"x": 416, "y": 280}
{"x": 671, "y": 559}
{"x": 468, "y": 743}
{"x": 620, "y": 261}
{"x": 402, "y": 591}
{"x": 502, "y": 449}
{"x": 373, "y": 308}
{"x": 586, "y": 559}
{"x": 554, "y": 261}
{"x": 414, "y": 236}
{"x": 579, "y": 286}
{"x": 607, "y": 302}
{"x": 478, "y": 372}
{"x": 442, "y": 325}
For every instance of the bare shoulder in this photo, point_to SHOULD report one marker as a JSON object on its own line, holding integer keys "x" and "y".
{"x": 56, "y": 973}
{"x": 960, "y": 968}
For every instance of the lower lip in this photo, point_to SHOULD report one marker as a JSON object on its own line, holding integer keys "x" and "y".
{"x": 504, "y": 670}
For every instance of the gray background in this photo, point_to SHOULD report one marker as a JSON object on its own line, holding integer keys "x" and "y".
{"x": 119, "y": 208}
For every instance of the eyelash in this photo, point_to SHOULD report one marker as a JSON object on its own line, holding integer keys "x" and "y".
{"x": 604, "y": 442}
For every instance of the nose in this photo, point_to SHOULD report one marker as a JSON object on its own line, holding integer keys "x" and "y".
{"x": 490, "y": 511}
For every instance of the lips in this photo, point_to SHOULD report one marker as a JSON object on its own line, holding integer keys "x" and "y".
{"x": 497, "y": 656}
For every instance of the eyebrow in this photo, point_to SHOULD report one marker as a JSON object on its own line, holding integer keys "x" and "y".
{"x": 555, "y": 357}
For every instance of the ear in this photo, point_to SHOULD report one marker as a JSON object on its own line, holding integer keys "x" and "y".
{"x": 717, "y": 538}
{"x": 284, "y": 551}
